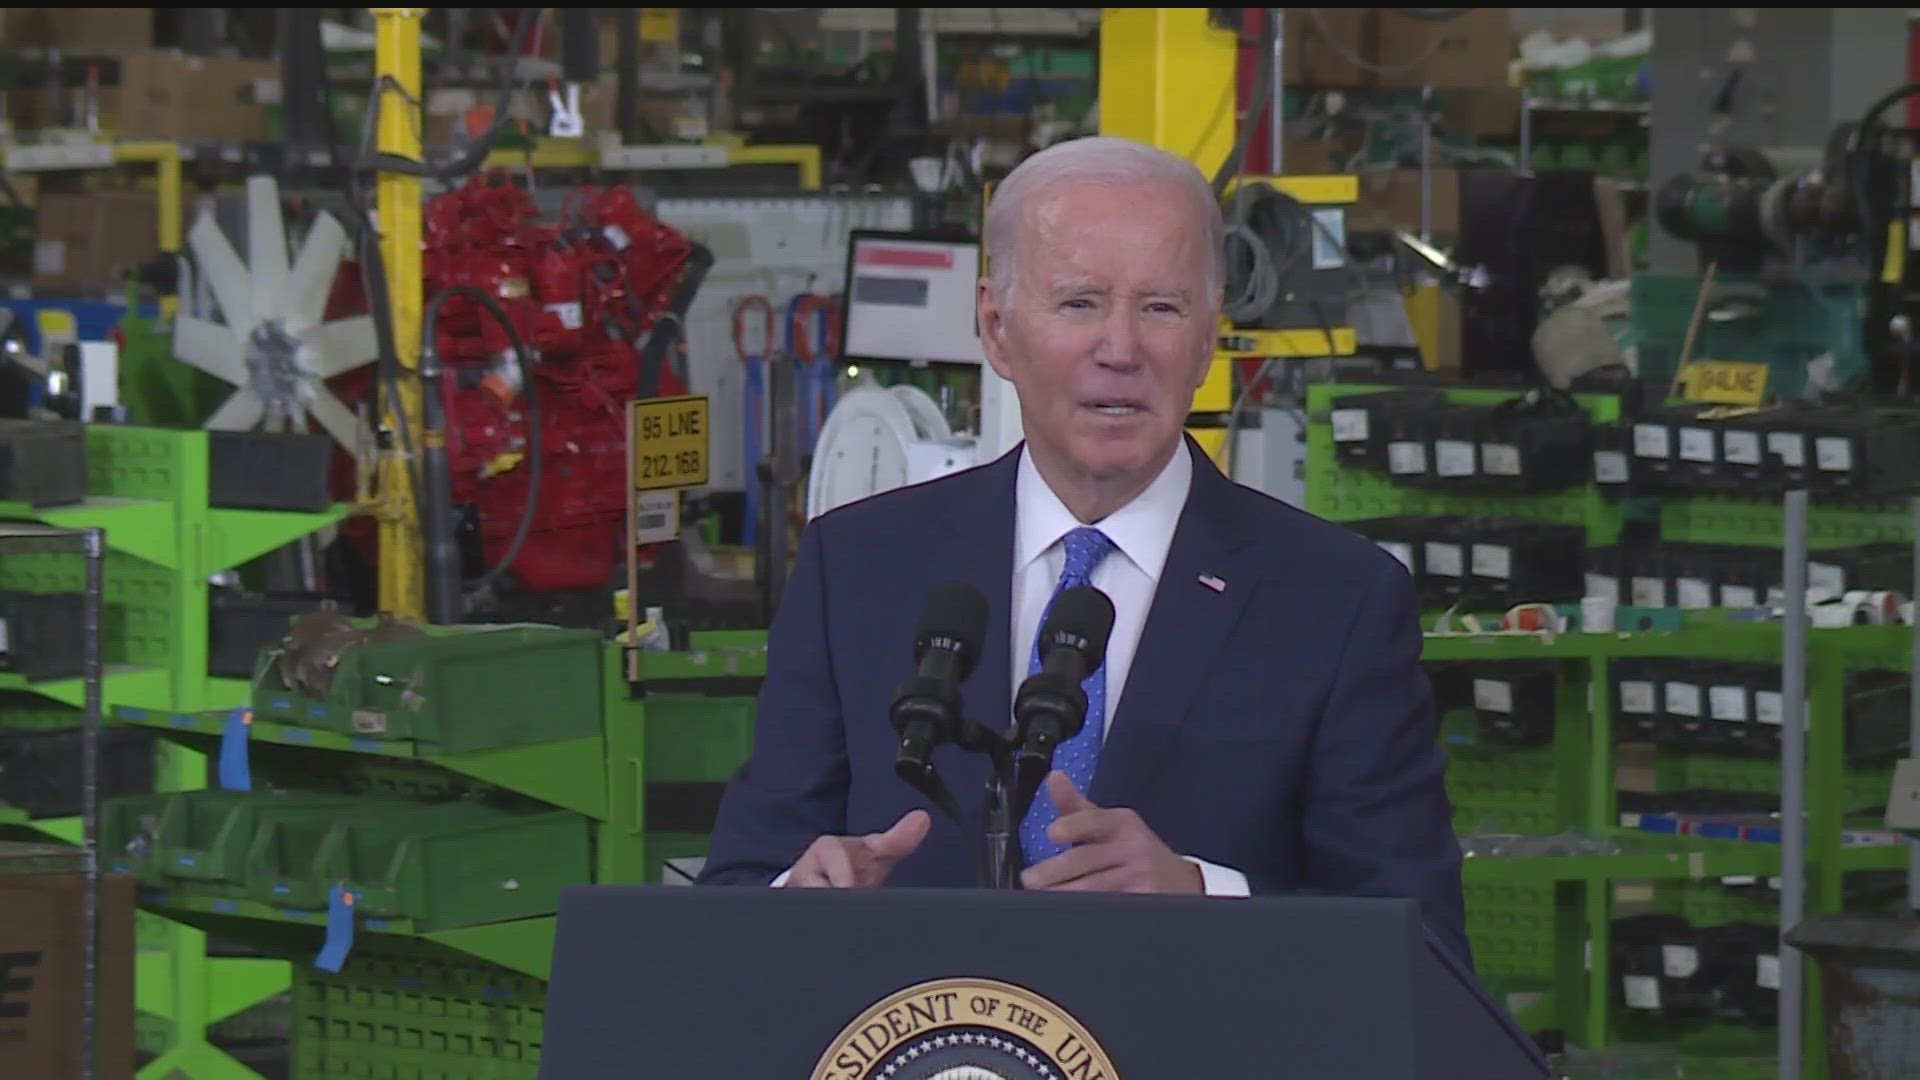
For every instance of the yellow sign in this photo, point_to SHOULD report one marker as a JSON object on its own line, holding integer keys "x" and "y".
{"x": 1724, "y": 382}
{"x": 670, "y": 438}
{"x": 660, "y": 24}
{"x": 965, "y": 1027}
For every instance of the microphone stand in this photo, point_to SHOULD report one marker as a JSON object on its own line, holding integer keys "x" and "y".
{"x": 999, "y": 831}
{"x": 1008, "y": 797}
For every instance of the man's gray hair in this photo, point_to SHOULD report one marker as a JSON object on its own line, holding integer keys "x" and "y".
{"x": 1101, "y": 159}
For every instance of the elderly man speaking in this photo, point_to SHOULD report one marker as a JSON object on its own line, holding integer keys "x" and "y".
{"x": 1261, "y": 723}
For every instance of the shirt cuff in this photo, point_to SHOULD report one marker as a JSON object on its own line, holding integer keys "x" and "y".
{"x": 1220, "y": 880}
{"x": 779, "y": 881}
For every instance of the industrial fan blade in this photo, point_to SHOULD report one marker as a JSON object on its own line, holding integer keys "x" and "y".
{"x": 333, "y": 415}
{"x": 224, "y": 273}
{"x": 311, "y": 281}
{"x": 241, "y": 412}
{"x": 266, "y": 247}
{"x": 211, "y": 347}
{"x": 339, "y": 346}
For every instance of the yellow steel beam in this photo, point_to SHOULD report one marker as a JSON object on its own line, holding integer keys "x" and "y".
{"x": 1167, "y": 78}
{"x": 396, "y": 57}
{"x": 547, "y": 153}
{"x": 165, "y": 159}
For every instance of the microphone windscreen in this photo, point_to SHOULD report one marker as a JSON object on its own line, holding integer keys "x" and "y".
{"x": 1082, "y": 617}
{"x": 955, "y": 617}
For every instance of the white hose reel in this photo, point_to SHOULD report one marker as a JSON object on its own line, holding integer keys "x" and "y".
{"x": 877, "y": 439}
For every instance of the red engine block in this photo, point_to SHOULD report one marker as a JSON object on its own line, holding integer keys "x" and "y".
{"x": 582, "y": 293}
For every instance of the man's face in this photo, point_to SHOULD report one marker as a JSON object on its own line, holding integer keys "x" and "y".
{"x": 1108, "y": 328}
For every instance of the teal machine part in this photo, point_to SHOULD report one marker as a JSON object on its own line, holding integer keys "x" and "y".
{"x": 1788, "y": 327}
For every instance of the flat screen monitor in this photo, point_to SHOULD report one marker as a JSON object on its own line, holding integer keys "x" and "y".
{"x": 910, "y": 297}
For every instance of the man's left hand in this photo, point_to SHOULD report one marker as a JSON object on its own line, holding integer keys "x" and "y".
{"x": 1112, "y": 851}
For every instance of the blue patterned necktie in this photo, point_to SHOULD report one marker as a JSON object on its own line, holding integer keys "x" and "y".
{"x": 1077, "y": 756}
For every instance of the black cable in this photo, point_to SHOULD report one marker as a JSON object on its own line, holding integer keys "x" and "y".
{"x": 475, "y": 155}
{"x": 1261, "y": 96}
{"x": 536, "y": 456}
{"x": 373, "y": 268}
{"x": 1860, "y": 150}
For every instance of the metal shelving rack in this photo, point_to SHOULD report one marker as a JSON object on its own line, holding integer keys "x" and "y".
{"x": 89, "y": 544}
{"x": 162, "y": 539}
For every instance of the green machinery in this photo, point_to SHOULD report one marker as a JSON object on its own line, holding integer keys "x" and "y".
{"x": 1803, "y": 264}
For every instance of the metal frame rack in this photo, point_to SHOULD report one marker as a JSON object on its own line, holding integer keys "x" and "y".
{"x": 149, "y": 500}
{"x": 89, "y": 544}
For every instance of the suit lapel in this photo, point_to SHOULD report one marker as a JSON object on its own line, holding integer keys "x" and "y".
{"x": 1184, "y": 631}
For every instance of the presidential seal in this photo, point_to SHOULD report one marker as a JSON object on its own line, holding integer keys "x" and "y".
{"x": 965, "y": 1029}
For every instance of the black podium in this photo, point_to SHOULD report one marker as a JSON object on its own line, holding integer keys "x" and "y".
{"x": 912, "y": 984}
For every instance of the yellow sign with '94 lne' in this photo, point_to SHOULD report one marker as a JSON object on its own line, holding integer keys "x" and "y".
{"x": 670, "y": 438}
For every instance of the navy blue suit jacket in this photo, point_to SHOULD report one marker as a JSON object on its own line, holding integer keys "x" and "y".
{"x": 1281, "y": 726}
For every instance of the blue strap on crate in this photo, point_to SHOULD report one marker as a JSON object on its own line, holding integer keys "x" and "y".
{"x": 339, "y": 939}
{"x": 235, "y": 772}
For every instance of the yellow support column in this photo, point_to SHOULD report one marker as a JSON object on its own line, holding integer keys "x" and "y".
{"x": 1167, "y": 78}
{"x": 396, "y": 56}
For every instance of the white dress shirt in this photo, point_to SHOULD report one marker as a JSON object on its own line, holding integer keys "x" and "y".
{"x": 1142, "y": 534}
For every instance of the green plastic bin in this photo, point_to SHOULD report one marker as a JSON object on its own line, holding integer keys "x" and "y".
{"x": 479, "y": 689}
{"x": 456, "y": 864}
{"x": 280, "y": 862}
{"x": 198, "y": 840}
{"x": 697, "y": 738}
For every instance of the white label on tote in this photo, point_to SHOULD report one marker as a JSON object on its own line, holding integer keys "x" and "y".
{"x": 1453, "y": 458}
{"x": 1636, "y": 697}
{"x": 1493, "y": 695}
{"x": 1643, "y": 991}
{"x": 1683, "y": 699}
{"x": 1740, "y": 447}
{"x": 1349, "y": 425}
{"x": 1499, "y": 459}
{"x": 1727, "y": 703}
{"x": 1696, "y": 444}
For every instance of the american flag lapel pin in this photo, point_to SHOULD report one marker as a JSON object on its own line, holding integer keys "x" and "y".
{"x": 1213, "y": 583}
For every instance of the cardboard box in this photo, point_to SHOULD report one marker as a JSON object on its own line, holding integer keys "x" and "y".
{"x": 170, "y": 96}
{"x": 92, "y": 238}
{"x": 1472, "y": 49}
{"x": 42, "y": 976}
{"x": 1318, "y": 157}
{"x": 77, "y": 29}
{"x": 1483, "y": 113}
{"x": 37, "y": 109}
{"x": 1390, "y": 200}
{"x": 1321, "y": 44}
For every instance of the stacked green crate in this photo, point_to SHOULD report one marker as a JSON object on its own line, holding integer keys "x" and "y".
{"x": 1338, "y": 493}
{"x": 1494, "y": 788}
{"x": 148, "y": 489}
{"x": 1741, "y": 521}
{"x": 439, "y": 793}
{"x": 399, "y": 1011}
{"x": 1583, "y": 884}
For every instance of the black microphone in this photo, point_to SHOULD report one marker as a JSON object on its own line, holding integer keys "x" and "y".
{"x": 926, "y": 708}
{"x": 1051, "y": 706}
